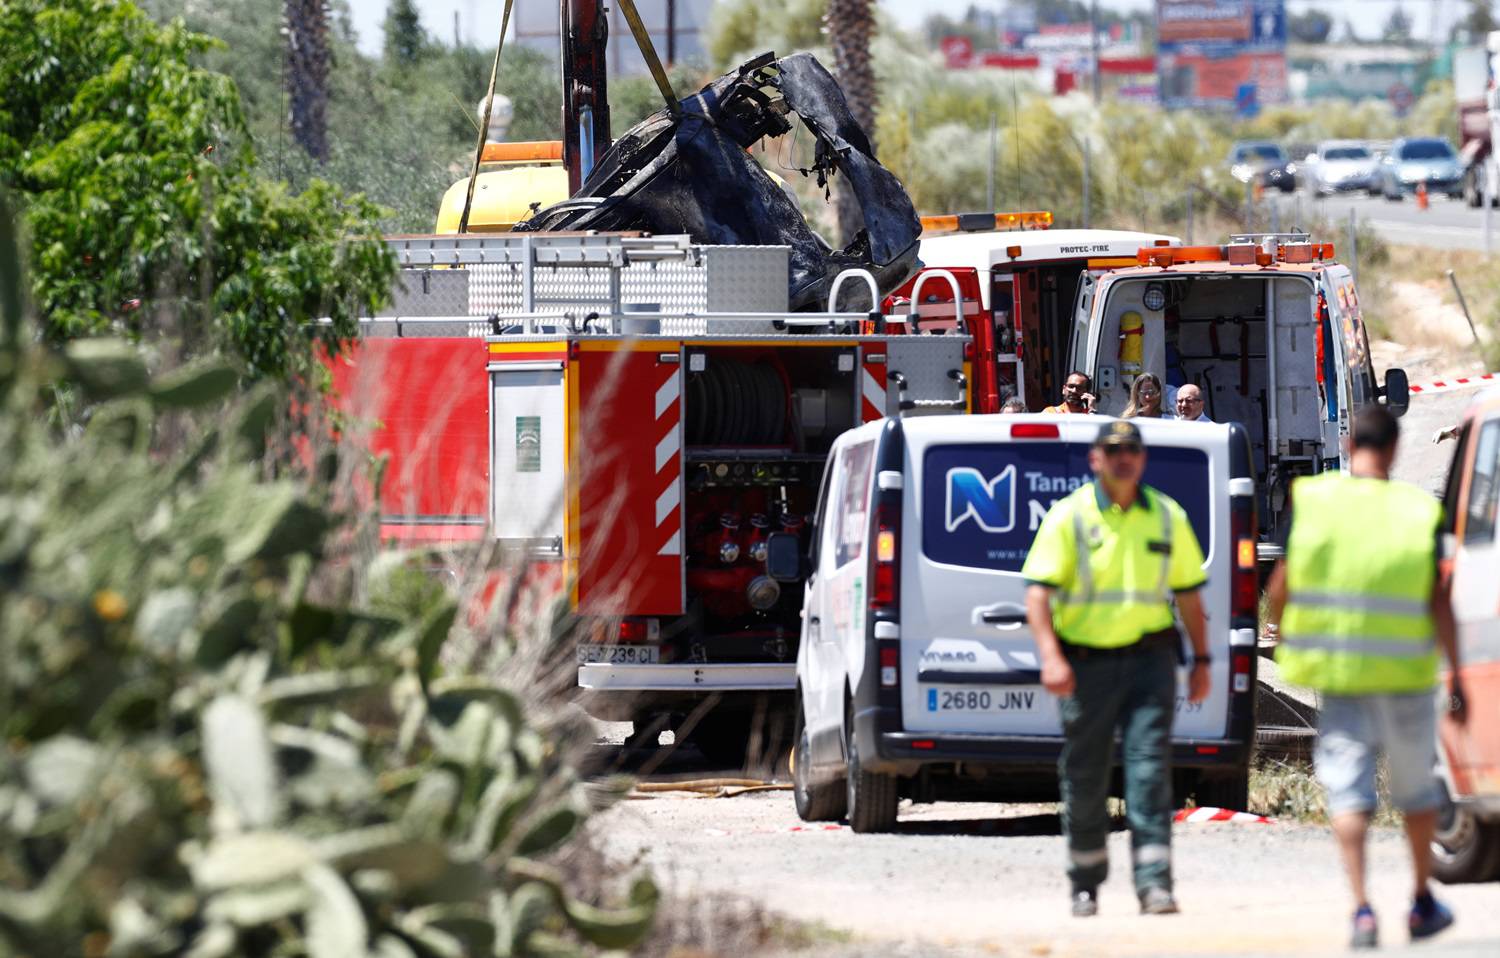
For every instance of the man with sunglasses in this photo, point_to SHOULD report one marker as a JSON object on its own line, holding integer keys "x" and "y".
{"x": 1076, "y": 398}
{"x": 1102, "y": 573}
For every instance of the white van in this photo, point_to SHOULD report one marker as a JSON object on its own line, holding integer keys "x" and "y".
{"x": 917, "y": 675}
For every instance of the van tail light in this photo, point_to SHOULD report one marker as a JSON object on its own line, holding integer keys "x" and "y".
{"x": 886, "y": 562}
{"x": 1244, "y": 579}
{"x": 890, "y": 665}
{"x": 1239, "y": 674}
{"x": 1035, "y": 430}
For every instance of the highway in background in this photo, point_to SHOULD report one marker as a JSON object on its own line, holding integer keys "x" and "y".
{"x": 1445, "y": 224}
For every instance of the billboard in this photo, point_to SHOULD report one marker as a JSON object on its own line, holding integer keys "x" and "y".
{"x": 1211, "y": 51}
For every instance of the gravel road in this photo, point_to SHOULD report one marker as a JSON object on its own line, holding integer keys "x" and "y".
{"x": 960, "y": 880}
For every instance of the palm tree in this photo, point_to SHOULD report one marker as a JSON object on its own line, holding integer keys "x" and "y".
{"x": 850, "y": 25}
{"x": 307, "y": 74}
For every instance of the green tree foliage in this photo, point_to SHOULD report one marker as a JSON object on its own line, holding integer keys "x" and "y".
{"x": 1397, "y": 27}
{"x": 1480, "y": 20}
{"x": 405, "y": 40}
{"x": 399, "y": 135}
{"x": 143, "y": 203}
{"x": 738, "y": 31}
{"x": 1309, "y": 26}
{"x": 212, "y": 744}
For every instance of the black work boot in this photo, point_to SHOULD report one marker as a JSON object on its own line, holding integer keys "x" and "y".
{"x": 1085, "y": 902}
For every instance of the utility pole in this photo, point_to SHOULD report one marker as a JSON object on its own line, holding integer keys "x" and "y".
{"x": 1094, "y": 45}
{"x": 1087, "y": 185}
{"x": 1354, "y": 245}
{"x": 989, "y": 180}
{"x": 671, "y": 32}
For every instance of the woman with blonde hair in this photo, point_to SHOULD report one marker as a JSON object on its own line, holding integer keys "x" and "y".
{"x": 1145, "y": 398}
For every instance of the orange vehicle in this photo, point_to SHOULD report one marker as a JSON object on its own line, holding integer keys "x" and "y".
{"x": 1467, "y": 847}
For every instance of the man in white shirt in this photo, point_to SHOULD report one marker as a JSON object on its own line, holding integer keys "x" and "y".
{"x": 1189, "y": 404}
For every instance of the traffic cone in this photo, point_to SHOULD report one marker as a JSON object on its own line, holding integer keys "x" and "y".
{"x": 1421, "y": 196}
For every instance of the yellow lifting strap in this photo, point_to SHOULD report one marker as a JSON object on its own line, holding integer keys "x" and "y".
{"x": 484, "y": 127}
{"x": 653, "y": 62}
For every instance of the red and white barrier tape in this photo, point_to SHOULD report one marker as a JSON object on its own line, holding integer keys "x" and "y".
{"x": 1457, "y": 382}
{"x": 1197, "y": 815}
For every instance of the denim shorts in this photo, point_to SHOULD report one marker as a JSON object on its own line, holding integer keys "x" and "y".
{"x": 1353, "y": 730}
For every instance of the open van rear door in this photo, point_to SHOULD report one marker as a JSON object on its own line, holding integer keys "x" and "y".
{"x": 968, "y": 660}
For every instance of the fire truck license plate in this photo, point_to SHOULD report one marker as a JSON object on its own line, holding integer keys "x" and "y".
{"x": 619, "y": 654}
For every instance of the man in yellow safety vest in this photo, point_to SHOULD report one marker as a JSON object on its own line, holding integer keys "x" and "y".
{"x": 1102, "y": 572}
{"x": 1362, "y": 616}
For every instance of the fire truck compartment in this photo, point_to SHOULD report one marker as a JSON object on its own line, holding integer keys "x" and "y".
{"x": 1043, "y": 299}
{"x": 758, "y": 422}
{"x": 781, "y": 400}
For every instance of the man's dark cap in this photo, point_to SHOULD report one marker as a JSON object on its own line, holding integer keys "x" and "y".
{"x": 1119, "y": 433}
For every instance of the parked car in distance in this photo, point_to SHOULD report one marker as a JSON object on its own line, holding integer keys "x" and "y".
{"x": 1381, "y": 149}
{"x": 1340, "y": 165}
{"x": 1467, "y": 844}
{"x": 1263, "y": 162}
{"x": 1421, "y": 159}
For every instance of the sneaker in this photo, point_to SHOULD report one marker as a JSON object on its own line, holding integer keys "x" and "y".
{"x": 1428, "y": 917}
{"x": 1158, "y": 901}
{"x": 1085, "y": 902}
{"x": 1366, "y": 932}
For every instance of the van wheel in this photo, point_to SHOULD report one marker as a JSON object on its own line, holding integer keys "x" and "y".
{"x": 871, "y": 797}
{"x": 1224, "y": 791}
{"x": 816, "y": 802}
{"x": 1464, "y": 848}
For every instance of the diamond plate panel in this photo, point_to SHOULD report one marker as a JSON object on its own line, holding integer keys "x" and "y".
{"x": 429, "y": 292}
{"x": 721, "y": 280}
{"x": 926, "y": 362}
{"x": 747, "y": 279}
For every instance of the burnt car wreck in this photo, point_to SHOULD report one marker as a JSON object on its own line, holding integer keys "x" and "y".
{"x": 689, "y": 171}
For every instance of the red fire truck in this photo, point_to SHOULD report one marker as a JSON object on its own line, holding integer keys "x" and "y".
{"x": 638, "y": 414}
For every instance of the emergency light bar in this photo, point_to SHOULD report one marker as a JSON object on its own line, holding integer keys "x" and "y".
{"x": 1235, "y": 254}
{"x": 526, "y": 151}
{"x": 985, "y": 222}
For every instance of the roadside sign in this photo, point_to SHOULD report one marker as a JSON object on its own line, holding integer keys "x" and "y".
{"x": 1246, "y": 103}
{"x": 958, "y": 52}
{"x": 1401, "y": 98}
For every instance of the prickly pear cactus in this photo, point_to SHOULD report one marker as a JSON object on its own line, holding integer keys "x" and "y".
{"x": 208, "y": 749}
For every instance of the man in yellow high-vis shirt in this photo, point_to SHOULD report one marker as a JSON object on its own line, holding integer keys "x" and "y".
{"x": 1362, "y": 616}
{"x": 1102, "y": 573}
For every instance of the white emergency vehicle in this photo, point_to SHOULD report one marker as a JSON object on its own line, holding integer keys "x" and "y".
{"x": 917, "y": 675}
{"x": 1269, "y": 326}
{"x": 1024, "y": 278}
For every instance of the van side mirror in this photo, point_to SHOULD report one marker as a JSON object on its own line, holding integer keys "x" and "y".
{"x": 1397, "y": 392}
{"x": 784, "y": 561}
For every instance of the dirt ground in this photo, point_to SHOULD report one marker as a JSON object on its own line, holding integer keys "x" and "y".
{"x": 988, "y": 880}
{"x": 1428, "y": 336}
{"x": 978, "y": 880}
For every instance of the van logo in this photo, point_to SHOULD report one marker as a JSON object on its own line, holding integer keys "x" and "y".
{"x": 990, "y": 502}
